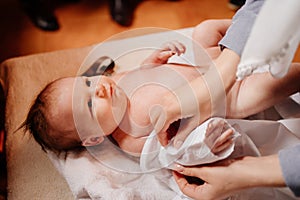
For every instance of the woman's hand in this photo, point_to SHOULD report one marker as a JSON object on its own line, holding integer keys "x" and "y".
{"x": 227, "y": 177}
{"x": 217, "y": 180}
{"x": 162, "y": 55}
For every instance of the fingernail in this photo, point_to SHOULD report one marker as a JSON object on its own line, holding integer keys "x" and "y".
{"x": 178, "y": 168}
{"x": 178, "y": 144}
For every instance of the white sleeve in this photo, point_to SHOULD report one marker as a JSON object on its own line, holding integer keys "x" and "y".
{"x": 273, "y": 40}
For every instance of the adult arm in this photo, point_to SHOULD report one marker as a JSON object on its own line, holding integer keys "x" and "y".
{"x": 242, "y": 22}
{"x": 290, "y": 164}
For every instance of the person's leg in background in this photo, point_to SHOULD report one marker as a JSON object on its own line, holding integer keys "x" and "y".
{"x": 122, "y": 11}
{"x": 41, "y": 14}
{"x": 236, "y": 4}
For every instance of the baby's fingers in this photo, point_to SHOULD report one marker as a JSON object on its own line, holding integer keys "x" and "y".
{"x": 165, "y": 55}
{"x": 224, "y": 141}
{"x": 176, "y": 47}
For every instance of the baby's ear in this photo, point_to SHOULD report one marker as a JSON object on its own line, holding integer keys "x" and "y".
{"x": 92, "y": 141}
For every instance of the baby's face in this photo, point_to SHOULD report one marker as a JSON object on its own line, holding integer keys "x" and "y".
{"x": 96, "y": 103}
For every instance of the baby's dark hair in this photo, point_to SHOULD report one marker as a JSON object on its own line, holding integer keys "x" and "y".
{"x": 38, "y": 125}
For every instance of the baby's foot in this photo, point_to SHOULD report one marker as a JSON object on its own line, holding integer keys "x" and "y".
{"x": 218, "y": 136}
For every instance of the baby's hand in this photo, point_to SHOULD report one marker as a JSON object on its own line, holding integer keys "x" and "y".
{"x": 162, "y": 55}
{"x": 218, "y": 136}
{"x": 169, "y": 49}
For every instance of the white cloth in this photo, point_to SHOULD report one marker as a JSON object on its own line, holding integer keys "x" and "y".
{"x": 195, "y": 150}
{"x": 273, "y": 40}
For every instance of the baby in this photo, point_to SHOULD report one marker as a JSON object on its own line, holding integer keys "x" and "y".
{"x": 71, "y": 113}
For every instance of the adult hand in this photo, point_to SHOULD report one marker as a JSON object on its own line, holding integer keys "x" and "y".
{"x": 227, "y": 177}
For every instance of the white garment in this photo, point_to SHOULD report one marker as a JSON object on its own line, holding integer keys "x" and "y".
{"x": 195, "y": 150}
{"x": 273, "y": 40}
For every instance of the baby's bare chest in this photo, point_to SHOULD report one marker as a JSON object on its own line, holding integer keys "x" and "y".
{"x": 152, "y": 85}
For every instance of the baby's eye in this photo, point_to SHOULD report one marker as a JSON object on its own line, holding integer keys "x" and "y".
{"x": 88, "y": 82}
{"x": 90, "y": 104}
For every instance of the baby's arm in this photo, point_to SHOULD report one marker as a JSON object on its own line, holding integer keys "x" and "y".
{"x": 260, "y": 91}
{"x": 162, "y": 55}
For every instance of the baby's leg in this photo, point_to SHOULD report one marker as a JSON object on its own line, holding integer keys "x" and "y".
{"x": 208, "y": 34}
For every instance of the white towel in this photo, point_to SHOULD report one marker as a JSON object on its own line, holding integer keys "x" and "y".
{"x": 273, "y": 40}
{"x": 105, "y": 172}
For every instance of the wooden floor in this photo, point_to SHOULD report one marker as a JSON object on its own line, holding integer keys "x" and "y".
{"x": 88, "y": 22}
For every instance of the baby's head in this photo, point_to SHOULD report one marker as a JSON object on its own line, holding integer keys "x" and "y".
{"x": 74, "y": 112}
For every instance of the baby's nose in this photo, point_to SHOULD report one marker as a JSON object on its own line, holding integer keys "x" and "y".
{"x": 100, "y": 90}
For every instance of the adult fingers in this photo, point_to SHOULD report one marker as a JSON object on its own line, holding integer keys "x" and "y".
{"x": 190, "y": 190}
{"x": 197, "y": 171}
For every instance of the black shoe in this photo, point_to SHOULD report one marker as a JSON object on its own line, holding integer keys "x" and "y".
{"x": 122, "y": 11}
{"x": 236, "y": 4}
{"x": 41, "y": 14}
